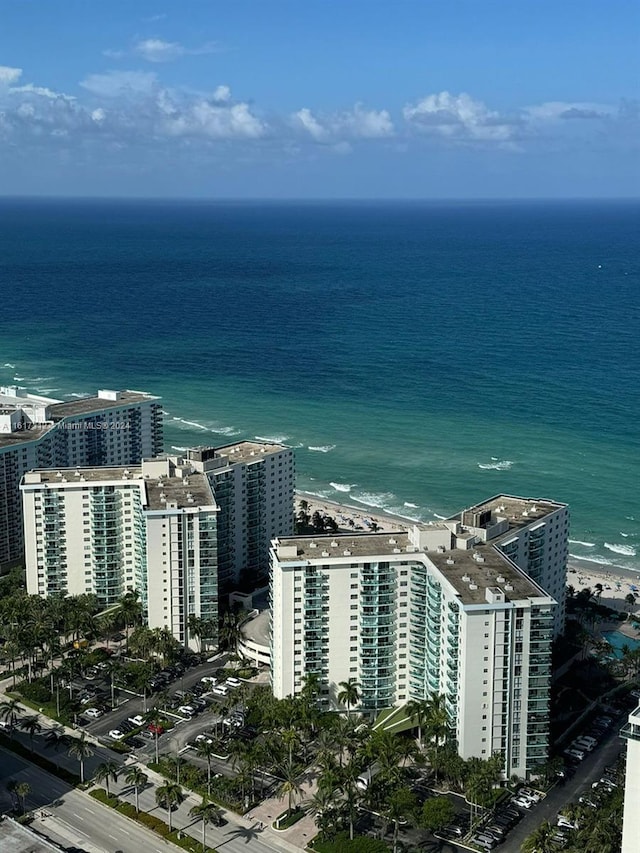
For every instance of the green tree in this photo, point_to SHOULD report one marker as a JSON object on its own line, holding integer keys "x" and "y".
{"x": 401, "y": 806}
{"x": 137, "y": 778}
{"x": 81, "y": 749}
{"x": 349, "y": 694}
{"x": 31, "y": 725}
{"x": 540, "y": 840}
{"x": 105, "y": 772}
{"x": 207, "y": 813}
{"x": 436, "y": 813}
{"x": 290, "y": 786}
{"x": 9, "y": 712}
{"x": 207, "y": 751}
{"x": 23, "y": 789}
{"x": 167, "y": 796}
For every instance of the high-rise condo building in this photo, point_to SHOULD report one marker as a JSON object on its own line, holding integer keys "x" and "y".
{"x": 254, "y": 486}
{"x": 434, "y": 610}
{"x": 631, "y": 814}
{"x": 532, "y": 533}
{"x": 112, "y": 428}
{"x": 167, "y": 528}
{"x": 107, "y": 531}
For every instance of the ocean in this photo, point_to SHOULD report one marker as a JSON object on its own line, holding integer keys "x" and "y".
{"x": 420, "y": 357}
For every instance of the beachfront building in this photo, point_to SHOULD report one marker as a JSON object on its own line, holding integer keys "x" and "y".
{"x": 181, "y": 530}
{"x": 254, "y": 485}
{"x": 434, "y": 610}
{"x": 532, "y": 533}
{"x": 107, "y": 531}
{"x": 631, "y": 814}
{"x": 112, "y": 428}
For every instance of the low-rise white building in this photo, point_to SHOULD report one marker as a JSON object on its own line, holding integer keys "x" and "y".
{"x": 434, "y": 610}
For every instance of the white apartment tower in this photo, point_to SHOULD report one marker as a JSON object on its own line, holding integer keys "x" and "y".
{"x": 254, "y": 486}
{"x": 112, "y": 428}
{"x": 180, "y": 530}
{"x": 532, "y": 533}
{"x": 107, "y": 531}
{"x": 631, "y": 814}
{"x": 409, "y": 614}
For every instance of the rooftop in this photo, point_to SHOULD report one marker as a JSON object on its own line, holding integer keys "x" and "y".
{"x": 470, "y": 571}
{"x": 519, "y": 512}
{"x": 20, "y": 839}
{"x": 86, "y": 405}
{"x": 191, "y": 490}
{"x": 240, "y": 451}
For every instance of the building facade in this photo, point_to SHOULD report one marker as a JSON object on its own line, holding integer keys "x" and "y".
{"x": 532, "y": 533}
{"x": 631, "y": 815}
{"x": 112, "y": 428}
{"x": 254, "y": 487}
{"x": 108, "y": 531}
{"x": 181, "y": 530}
{"x": 434, "y": 610}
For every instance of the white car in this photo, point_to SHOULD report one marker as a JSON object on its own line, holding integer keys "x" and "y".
{"x": 138, "y": 720}
{"x": 566, "y": 823}
{"x": 530, "y": 794}
{"x": 93, "y": 712}
{"x": 116, "y": 734}
{"x": 208, "y": 680}
{"x": 522, "y": 802}
{"x": 233, "y": 682}
{"x": 187, "y": 710}
{"x": 200, "y": 738}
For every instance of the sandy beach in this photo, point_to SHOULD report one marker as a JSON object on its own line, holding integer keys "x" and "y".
{"x": 616, "y": 582}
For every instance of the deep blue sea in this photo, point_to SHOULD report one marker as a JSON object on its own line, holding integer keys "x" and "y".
{"x": 419, "y": 356}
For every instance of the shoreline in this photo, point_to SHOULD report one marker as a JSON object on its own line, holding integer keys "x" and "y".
{"x": 617, "y": 581}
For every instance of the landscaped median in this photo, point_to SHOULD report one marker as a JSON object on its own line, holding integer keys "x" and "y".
{"x": 155, "y": 824}
{"x": 287, "y": 819}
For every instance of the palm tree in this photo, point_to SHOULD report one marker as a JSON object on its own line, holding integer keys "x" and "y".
{"x": 207, "y": 750}
{"x": 31, "y": 725}
{"x": 80, "y": 748}
{"x": 106, "y": 771}
{"x": 540, "y": 839}
{"x": 290, "y": 787}
{"x": 419, "y": 710}
{"x": 630, "y": 601}
{"x": 155, "y": 718}
{"x": 322, "y": 801}
{"x": 57, "y": 738}
{"x": 137, "y": 778}
{"x": 349, "y": 694}
{"x": 207, "y": 813}
{"x": 9, "y": 713}
{"x": 168, "y": 796}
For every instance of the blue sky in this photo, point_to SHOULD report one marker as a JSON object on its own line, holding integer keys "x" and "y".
{"x": 320, "y": 98}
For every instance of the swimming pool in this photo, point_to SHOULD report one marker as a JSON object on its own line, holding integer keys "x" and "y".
{"x": 618, "y": 641}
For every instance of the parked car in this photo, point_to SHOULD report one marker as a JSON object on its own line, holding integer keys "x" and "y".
{"x": 522, "y": 802}
{"x": 138, "y": 720}
{"x": 482, "y": 839}
{"x": 233, "y": 682}
{"x": 578, "y": 754}
{"x": 94, "y": 713}
{"x": 116, "y": 734}
{"x": 221, "y": 690}
{"x": 536, "y": 796}
{"x": 566, "y": 823}
{"x": 208, "y": 680}
{"x": 187, "y": 710}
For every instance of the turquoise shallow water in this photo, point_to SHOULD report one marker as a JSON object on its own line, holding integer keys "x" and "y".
{"x": 420, "y": 357}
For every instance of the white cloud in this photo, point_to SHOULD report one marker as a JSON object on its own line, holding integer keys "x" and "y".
{"x": 159, "y": 50}
{"x": 554, "y": 110}
{"x": 8, "y": 75}
{"x": 115, "y": 84}
{"x": 459, "y": 117}
{"x": 222, "y": 94}
{"x": 98, "y": 115}
{"x": 212, "y": 120}
{"x": 357, "y": 123}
